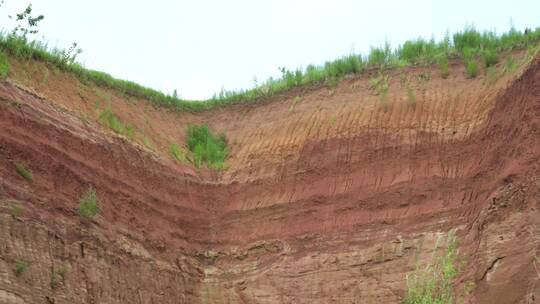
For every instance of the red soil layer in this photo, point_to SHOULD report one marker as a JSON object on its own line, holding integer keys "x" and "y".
{"x": 333, "y": 195}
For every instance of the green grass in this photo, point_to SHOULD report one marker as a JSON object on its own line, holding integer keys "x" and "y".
{"x": 89, "y": 205}
{"x": 472, "y": 68}
{"x": 489, "y": 57}
{"x": 510, "y": 65}
{"x": 62, "y": 272}
{"x": 4, "y": 66}
{"x": 178, "y": 153}
{"x": 433, "y": 284}
{"x": 109, "y": 119}
{"x": 24, "y": 172}
{"x": 20, "y": 267}
{"x": 442, "y": 62}
{"x": 413, "y": 52}
{"x": 206, "y": 147}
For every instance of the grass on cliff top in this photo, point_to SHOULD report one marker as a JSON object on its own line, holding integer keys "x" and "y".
{"x": 413, "y": 52}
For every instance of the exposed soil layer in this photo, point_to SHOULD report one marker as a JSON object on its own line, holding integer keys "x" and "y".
{"x": 333, "y": 194}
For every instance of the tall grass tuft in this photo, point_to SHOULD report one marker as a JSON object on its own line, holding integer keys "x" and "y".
{"x": 442, "y": 61}
{"x": 433, "y": 284}
{"x": 4, "y": 66}
{"x": 89, "y": 204}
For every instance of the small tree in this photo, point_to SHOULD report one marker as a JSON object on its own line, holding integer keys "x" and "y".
{"x": 26, "y": 23}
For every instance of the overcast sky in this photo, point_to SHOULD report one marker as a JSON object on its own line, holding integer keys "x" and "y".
{"x": 198, "y": 47}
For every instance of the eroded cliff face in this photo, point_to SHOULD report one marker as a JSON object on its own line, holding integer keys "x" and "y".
{"x": 333, "y": 195}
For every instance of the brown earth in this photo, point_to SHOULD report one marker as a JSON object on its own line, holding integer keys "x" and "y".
{"x": 332, "y": 195}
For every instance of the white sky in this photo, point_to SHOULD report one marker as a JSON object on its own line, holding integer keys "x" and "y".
{"x": 198, "y": 47}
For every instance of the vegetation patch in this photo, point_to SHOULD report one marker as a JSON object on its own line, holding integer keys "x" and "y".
{"x": 89, "y": 205}
{"x": 510, "y": 65}
{"x": 443, "y": 64}
{"x": 178, "y": 153}
{"x": 433, "y": 284}
{"x": 490, "y": 57}
{"x": 4, "y": 66}
{"x": 206, "y": 147}
{"x": 20, "y": 267}
{"x": 16, "y": 210}
{"x": 24, "y": 172}
{"x": 109, "y": 119}
{"x": 472, "y": 68}
{"x": 411, "y": 96}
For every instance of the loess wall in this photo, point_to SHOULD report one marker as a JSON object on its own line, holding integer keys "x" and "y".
{"x": 332, "y": 195}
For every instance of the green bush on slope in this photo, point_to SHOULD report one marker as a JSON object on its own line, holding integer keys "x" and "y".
{"x": 206, "y": 147}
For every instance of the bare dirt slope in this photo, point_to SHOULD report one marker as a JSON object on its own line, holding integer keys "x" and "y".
{"x": 333, "y": 194}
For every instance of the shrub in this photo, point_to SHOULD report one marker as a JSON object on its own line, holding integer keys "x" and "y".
{"x": 433, "y": 284}
{"x": 89, "y": 204}
{"x": 20, "y": 267}
{"x": 206, "y": 147}
{"x": 4, "y": 66}
{"x": 23, "y": 171}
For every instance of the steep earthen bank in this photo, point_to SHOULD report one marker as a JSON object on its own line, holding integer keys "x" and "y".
{"x": 333, "y": 196}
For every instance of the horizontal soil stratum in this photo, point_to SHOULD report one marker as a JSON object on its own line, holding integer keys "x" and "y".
{"x": 332, "y": 194}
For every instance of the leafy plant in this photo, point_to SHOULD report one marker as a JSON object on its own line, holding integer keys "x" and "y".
{"x": 23, "y": 171}
{"x": 20, "y": 267}
{"x": 89, "y": 204}
{"x": 206, "y": 147}
{"x": 26, "y": 23}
